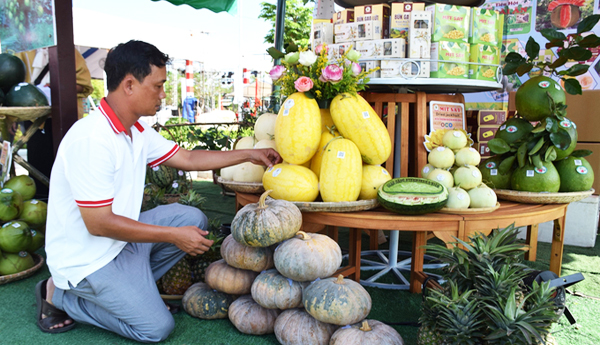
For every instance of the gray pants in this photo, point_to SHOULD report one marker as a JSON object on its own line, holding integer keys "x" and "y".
{"x": 122, "y": 296}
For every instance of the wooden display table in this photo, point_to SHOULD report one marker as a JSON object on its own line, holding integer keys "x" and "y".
{"x": 443, "y": 226}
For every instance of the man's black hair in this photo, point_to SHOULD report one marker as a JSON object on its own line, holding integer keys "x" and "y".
{"x": 133, "y": 57}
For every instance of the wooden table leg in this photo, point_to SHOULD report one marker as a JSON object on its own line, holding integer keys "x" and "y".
{"x": 354, "y": 252}
{"x": 531, "y": 241}
{"x": 416, "y": 265}
{"x": 558, "y": 239}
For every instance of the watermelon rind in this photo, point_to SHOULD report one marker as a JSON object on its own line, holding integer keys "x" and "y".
{"x": 412, "y": 195}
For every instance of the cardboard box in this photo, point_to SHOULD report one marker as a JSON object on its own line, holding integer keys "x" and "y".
{"x": 404, "y": 69}
{"x": 369, "y": 65}
{"x": 358, "y": 31}
{"x": 581, "y": 109}
{"x": 484, "y": 26}
{"x": 400, "y": 17}
{"x": 491, "y": 117}
{"x": 419, "y": 35}
{"x": 484, "y": 54}
{"x": 484, "y": 150}
{"x": 322, "y": 34}
{"x": 335, "y": 51}
{"x": 452, "y": 54}
{"x": 343, "y": 17}
{"x": 486, "y": 133}
{"x": 450, "y": 22}
{"x": 594, "y": 160}
{"x": 379, "y": 12}
{"x": 391, "y": 47}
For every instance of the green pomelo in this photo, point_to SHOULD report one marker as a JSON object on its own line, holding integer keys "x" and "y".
{"x": 412, "y": 195}
{"x": 34, "y": 213}
{"x": 491, "y": 176}
{"x": 23, "y": 184}
{"x": 11, "y": 263}
{"x": 513, "y": 129}
{"x": 571, "y": 128}
{"x": 11, "y": 204}
{"x": 15, "y": 236}
{"x": 25, "y": 95}
{"x": 37, "y": 241}
{"x": 532, "y": 101}
{"x": 12, "y": 71}
{"x": 530, "y": 179}
{"x": 576, "y": 174}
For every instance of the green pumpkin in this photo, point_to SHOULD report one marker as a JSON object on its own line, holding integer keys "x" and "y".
{"x": 297, "y": 327}
{"x": 205, "y": 303}
{"x": 222, "y": 277}
{"x": 366, "y": 332}
{"x": 266, "y": 222}
{"x": 250, "y": 318}
{"x": 256, "y": 259}
{"x": 274, "y": 291}
{"x": 337, "y": 301}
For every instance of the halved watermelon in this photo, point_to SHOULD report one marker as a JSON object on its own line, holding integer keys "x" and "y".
{"x": 412, "y": 195}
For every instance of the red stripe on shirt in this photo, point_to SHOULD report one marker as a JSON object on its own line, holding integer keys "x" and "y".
{"x": 164, "y": 158}
{"x": 91, "y": 204}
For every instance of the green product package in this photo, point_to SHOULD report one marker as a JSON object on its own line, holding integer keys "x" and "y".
{"x": 452, "y": 58}
{"x": 484, "y": 54}
{"x": 484, "y": 26}
{"x": 500, "y": 29}
{"x": 450, "y": 22}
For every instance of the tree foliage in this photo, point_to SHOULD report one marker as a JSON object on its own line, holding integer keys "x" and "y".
{"x": 298, "y": 20}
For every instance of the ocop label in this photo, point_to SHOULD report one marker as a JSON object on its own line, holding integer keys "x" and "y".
{"x": 581, "y": 170}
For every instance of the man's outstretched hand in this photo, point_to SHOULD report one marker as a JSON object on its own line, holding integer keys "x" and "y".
{"x": 191, "y": 240}
{"x": 268, "y": 157}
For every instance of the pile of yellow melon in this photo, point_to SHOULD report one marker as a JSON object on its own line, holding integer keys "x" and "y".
{"x": 333, "y": 153}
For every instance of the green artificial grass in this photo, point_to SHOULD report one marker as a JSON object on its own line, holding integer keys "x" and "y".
{"x": 17, "y": 312}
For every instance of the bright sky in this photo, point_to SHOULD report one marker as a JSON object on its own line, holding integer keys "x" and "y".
{"x": 180, "y": 31}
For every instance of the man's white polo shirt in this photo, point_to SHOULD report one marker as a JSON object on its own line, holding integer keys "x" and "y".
{"x": 96, "y": 165}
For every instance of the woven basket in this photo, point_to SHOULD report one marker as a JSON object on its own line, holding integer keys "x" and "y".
{"x": 38, "y": 263}
{"x": 469, "y": 210}
{"x": 344, "y": 206}
{"x": 542, "y": 198}
{"x": 25, "y": 113}
{"x": 242, "y": 187}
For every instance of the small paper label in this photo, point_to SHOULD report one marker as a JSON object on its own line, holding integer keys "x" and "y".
{"x": 493, "y": 172}
{"x": 557, "y": 87}
{"x": 288, "y": 104}
{"x": 426, "y": 170}
{"x": 582, "y": 170}
{"x": 541, "y": 170}
{"x": 365, "y": 114}
{"x": 33, "y": 202}
{"x": 16, "y": 225}
{"x": 22, "y": 84}
{"x": 512, "y": 129}
{"x": 441, "y": 148}
{"x": 23, "y": 254}
{"x": 565, "y": 123}
{"x": 456, "y": 134}
{"x": 490, "y": 165}
{"x": 577, "y": 162}
{"x": 472, "y": 149}
{"x": 286, "y": 112}
{"x": 341, "y": 154}
{"x": 502, "y": 127}
{"x": 529, "y": 173}
{"x": 155, "y": 168}
{"x": 7, "y": 190}
{"x": 544, "y": 84}
{"x": 276, "y": 172}
{"x": 476, "y": 173}
{"x": 460, "y": 196}
{"x": 383, "y": 171}
{"x": 440, "y": 177}
{"x": 33, "y": 233}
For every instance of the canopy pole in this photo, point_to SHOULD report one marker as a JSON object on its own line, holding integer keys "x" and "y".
{"x": 279, "y": 27}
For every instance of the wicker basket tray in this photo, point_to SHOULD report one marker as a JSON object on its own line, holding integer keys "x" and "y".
{"x": 243, "y": 187}
{"x": 542, "y": 198}
{"x": 38, "y": 263}
{"x": 469, "y": 210}
{"x": 346, "y": 206}
{"x": 25, "y": 113}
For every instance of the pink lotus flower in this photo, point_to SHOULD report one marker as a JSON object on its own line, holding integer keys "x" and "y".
{"x": 303, "y": 84}
{"x": 277, "y": 72}
{"x": 356, "y": 69}
{"x": 332, "y": 73}
{"x": 320, "y": 48}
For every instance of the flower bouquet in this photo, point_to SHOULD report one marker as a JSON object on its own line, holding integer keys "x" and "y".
{"x": 303, "y": 70}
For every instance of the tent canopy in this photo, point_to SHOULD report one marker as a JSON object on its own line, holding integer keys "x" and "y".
{"x": 216, "y": 6}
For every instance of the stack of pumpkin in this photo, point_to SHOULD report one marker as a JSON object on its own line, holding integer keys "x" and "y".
{"x": 335, "y": 153}
{"x": 295, "y": 300}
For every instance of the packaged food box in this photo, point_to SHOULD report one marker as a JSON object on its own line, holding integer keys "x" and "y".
{"x": 322, "y": 33}
{"x": 379, "y": 12}
{"x": 484, "y": 150}
{"x": 452, "y": 58}
{"x": 369, "y": 65}
{"x": 337, "y": 50}
{"x": 357, "y": 31}
{"x": 486, "y": 133}
{"x": 404, "y": 69}
{"x": 343, "y": 17}
{"x": 491, "y": 117}
{"x": 390, "y": 47}
{"x": 500, "y": 33}
{"x": 488, "y": 55}
{"x": 400, "y": 17}
{"x": 450, "y": 22}
{"x": 419, "y": 35}
{"x": 484, "y": 26}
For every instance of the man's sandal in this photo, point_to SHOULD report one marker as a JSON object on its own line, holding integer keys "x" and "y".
{"x": 54, "y": 316}
{"x": 173, "y": 308}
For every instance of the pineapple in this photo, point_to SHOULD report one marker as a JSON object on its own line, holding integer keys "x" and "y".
{"x": 200, "y": 263}
{"x": 192, "y": 199}
{"x": 177, "y": 279}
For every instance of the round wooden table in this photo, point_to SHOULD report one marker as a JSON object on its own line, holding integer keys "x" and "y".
{"x": 446, "y": 227}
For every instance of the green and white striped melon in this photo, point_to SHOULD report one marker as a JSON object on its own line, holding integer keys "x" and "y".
{"x": 412, "y": 195}
{"x": 162, "y": 175}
